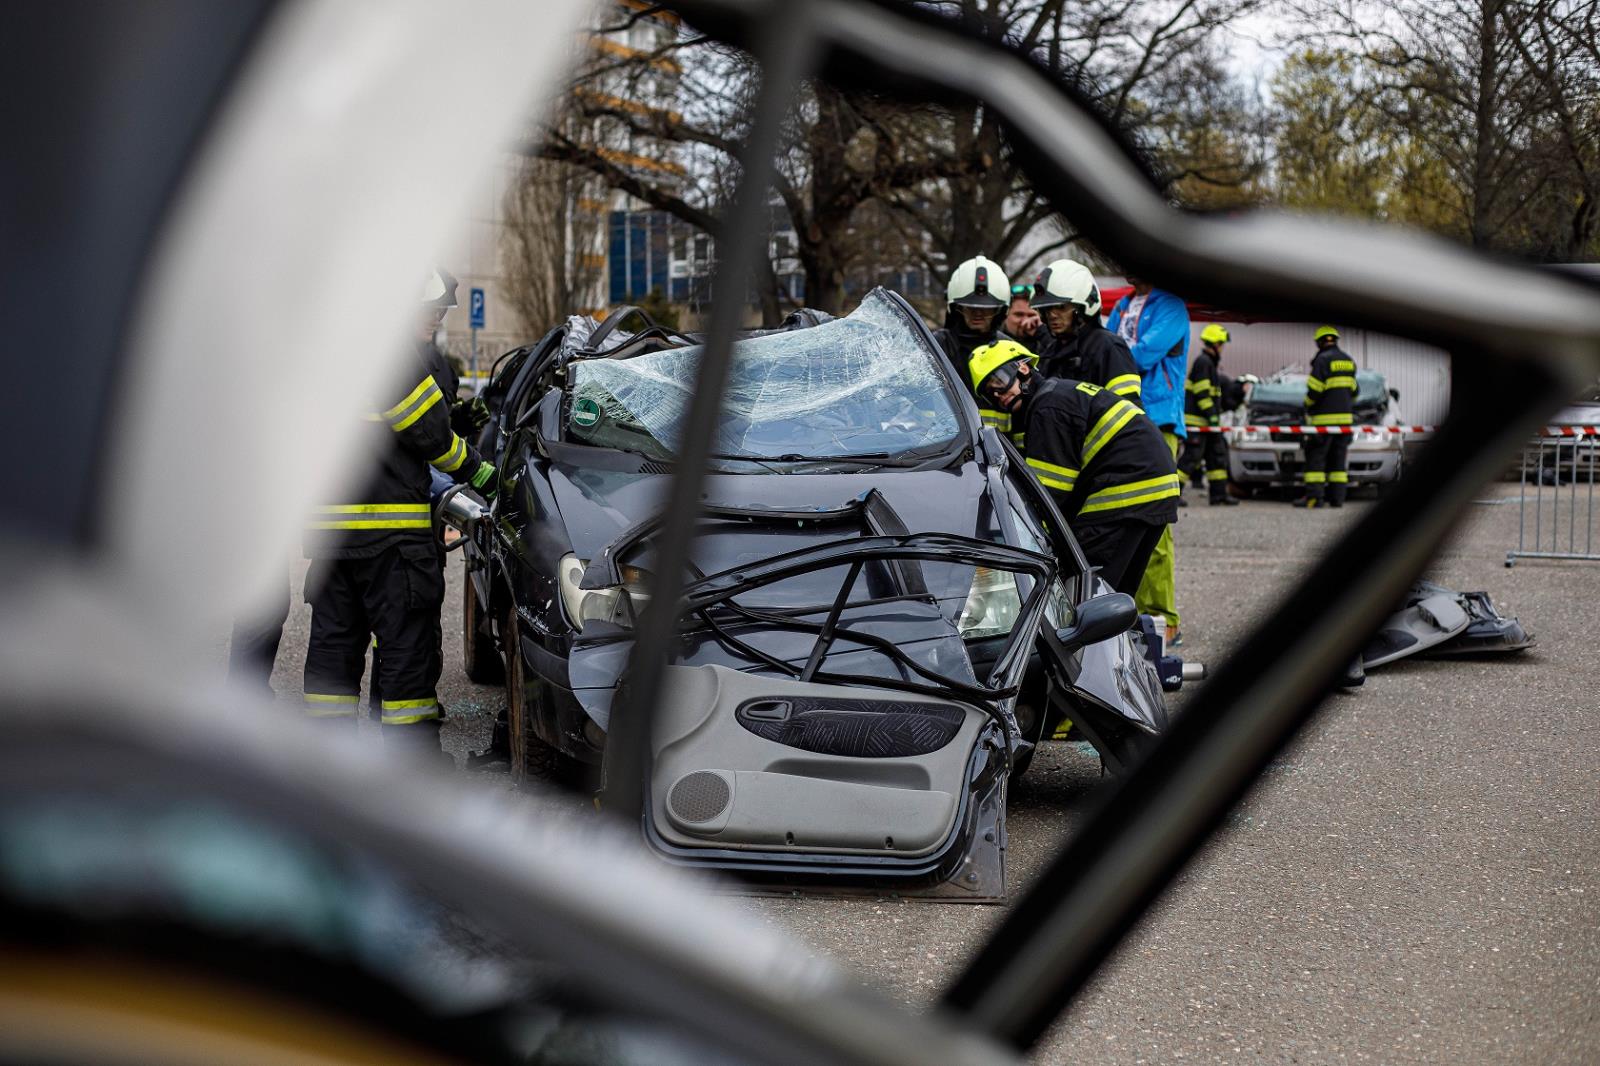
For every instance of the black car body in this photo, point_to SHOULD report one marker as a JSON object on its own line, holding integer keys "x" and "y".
{"x": 854, "y": 477}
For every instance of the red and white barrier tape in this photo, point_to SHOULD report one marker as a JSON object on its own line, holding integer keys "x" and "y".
{"x": 1312, "y": 430}
{"x": 1549, "y": 431}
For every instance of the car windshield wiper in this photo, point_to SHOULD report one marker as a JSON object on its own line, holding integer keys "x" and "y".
{"x": 857, "y": 459}
{"x": 765, "y": 462}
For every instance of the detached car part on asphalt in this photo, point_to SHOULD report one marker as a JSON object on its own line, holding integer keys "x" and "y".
{"x": 1437, "y": 622}
{"x": 889, "y": 616}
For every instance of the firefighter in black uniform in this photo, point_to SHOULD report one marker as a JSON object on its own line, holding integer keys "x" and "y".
{"x": 1077, "y": 345}
{"x": 1330, "y": 401}
{"x": 975, "y": 305}
{"x": 467, "y": 418}
{"x": 1105, "y": 463}
{"x": 375, "y": 570}
{"x": 1202, "y": 409}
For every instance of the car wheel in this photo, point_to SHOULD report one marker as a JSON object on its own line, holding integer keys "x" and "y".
{"x": 531, "y": 757}
{"x": 478, "y": 654}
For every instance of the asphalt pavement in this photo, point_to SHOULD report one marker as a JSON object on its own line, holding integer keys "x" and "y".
{"x": 1416, "y": 880}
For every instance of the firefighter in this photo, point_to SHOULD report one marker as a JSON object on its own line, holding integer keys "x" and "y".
{"x": 1202, "y": 409}
{"x": 1076, "y": 344}
{"x": 467, "y": 418}
{"x": 976, "y": 301}
{"x": 1103, "y": 461}
{"x": 1330, "y": 401}
{"x": 376, "y": 571}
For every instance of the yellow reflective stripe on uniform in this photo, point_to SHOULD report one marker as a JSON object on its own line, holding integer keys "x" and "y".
{"x": 1132, "y": 494}
{"x": 375, "y": 523}
{"x": 1205, "y": 403}
{"x": 1195, "y": 420}
{"x": 1315, "y": 477}
{"x": 408, "y": 410}
{"x": 1000, "y": 420}
{"x": 1340, "y": 383}
{"x": 1340, "y": 419}
{"x": 1203, "y": 385}
{"x": 1339, "y": 477}
{"x": 1216, "y": 475}
{"x": 329, "y": 705}
{"x": 1315, "y": 384}
{"x": 373, "y": 516}
{"x": 1125, "y": 385}
{"x": 1341, "y": 365}
{"x": 1052, "y": 476}
{"x": 409, "y": 712}
{"x": 451, "y": 460}
{"x": 369, "y": 508}
{"x": 1109, "y": 425}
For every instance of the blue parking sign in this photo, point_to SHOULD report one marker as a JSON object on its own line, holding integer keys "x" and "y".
{"x": 476, "y": 307}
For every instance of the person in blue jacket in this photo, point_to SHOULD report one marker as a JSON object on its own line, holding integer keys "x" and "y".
{"x": 1155, "y": 325}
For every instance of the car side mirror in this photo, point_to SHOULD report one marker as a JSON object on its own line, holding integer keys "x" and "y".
{"x": 1099, "y": 618}
{"x": 1394, "y": 394}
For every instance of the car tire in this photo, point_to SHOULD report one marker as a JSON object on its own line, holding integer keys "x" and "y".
{"x": 479, "y": 657}
{"x": 531, "y": 758}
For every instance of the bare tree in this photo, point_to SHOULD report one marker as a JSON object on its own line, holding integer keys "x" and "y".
{"x": 1496, "y": 97}
{"x": 551, "y": 244}
{"x": 862, "y": 179}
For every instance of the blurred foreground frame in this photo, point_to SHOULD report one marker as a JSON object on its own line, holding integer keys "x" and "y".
{"x": 1514, "y": 360}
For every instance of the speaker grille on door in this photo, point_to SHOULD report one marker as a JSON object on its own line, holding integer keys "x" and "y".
{"x": 699, "y": 797}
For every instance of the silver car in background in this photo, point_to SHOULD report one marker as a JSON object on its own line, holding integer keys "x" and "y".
{"x": 1260, "y": 458}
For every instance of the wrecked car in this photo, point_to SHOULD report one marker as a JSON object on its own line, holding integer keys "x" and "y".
{"x": 1258, "y": 457}
{"x": 886, "y": 613}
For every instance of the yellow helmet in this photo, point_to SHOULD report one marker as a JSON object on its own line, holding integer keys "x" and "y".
{"x": 1325, "y": 331}
{"x": 988, "y": 358}
{"x": 1214, "y": 334}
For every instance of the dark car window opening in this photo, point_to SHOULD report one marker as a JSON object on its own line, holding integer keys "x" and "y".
{"x": 860, "y": 390}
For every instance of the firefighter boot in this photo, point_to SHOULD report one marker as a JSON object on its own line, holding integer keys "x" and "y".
{"x": 1337, "y": 487}
{"x": 418, "y": 741}
{"x": 1219, "y": 495}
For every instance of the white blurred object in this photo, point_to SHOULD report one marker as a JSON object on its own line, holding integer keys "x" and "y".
{"x": 357, "y": 131}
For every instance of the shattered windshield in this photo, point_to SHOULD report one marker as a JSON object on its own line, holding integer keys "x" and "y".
{"x": 1290, "y": 391}
{"x": 863, "y": 386}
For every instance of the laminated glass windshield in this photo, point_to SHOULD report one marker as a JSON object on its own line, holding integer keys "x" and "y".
{"x": 1291, "y": 390}
{"x": 863, "y": 386}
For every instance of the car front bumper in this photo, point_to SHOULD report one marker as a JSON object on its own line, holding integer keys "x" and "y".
{"x": 1269, "y": 463}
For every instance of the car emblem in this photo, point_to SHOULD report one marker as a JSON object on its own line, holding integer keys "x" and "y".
{"x": 585, "y": 412}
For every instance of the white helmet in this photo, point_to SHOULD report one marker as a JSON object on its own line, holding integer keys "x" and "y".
{"x": 1063, "y": 281}
{"x": 979, "y": 282}
{"x": 439, "y": 289}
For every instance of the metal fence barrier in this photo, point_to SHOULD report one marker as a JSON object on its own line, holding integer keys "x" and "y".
{"x": 1555, "y": 514}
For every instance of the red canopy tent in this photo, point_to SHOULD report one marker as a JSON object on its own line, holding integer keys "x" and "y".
{"x": 1197, "y": 312}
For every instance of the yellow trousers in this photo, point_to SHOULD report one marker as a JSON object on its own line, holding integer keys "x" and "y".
{"x": 1158, "y": 589}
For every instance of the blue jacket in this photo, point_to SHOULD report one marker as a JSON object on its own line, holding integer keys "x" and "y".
{"x": 1162, "y": 355}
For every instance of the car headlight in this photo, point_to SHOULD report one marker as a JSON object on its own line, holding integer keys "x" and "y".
{"x": 992, "y": 606}
{"x": 1253, "y": 436}
{"x": 618, "y": 604}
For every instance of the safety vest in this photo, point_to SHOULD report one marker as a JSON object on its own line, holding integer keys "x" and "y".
{"x": 410, "y": 436}
{"x": 1202, "y": 393}
{"x": 1099, "y": 455}
{"x": 1331, "y": 389}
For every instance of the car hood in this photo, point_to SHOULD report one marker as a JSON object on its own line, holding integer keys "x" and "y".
{"x": 597, "y": 506}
